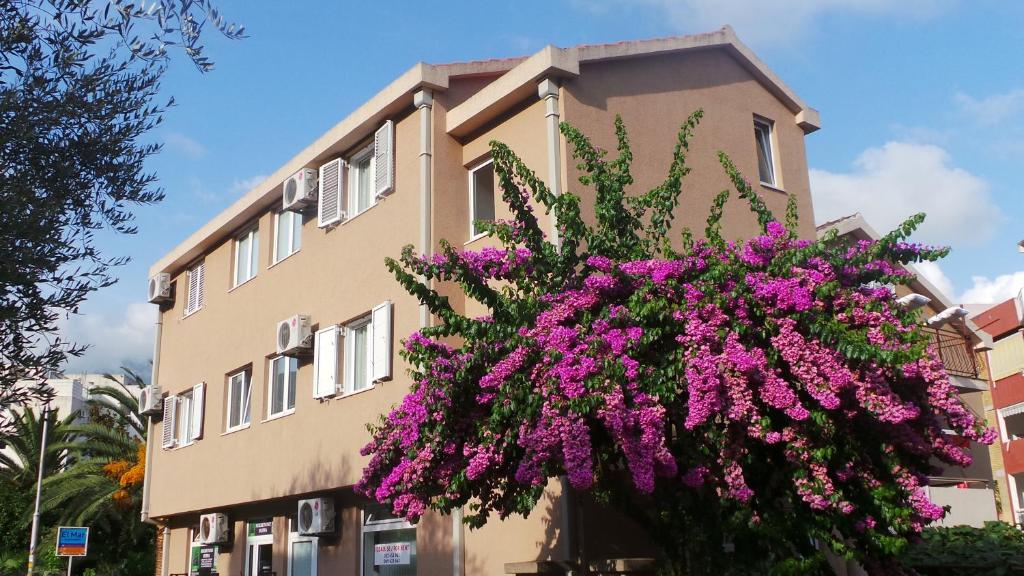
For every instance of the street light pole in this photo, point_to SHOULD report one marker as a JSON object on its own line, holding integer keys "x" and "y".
{"x": 39, "y": 491}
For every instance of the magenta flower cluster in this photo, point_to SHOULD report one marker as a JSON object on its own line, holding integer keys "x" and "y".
{"x": 683, "y": 373}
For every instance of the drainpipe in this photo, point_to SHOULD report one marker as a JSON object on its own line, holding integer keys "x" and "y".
{"x": 424, "y": 102}
{"x": 149, "y": 421}
{"x": 547, "y": 90}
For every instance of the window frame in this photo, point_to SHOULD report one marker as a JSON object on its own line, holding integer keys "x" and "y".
{"x": 243, "y": 422}
{"x": 289, "y": 382}
{"x": 292, "y": 248}
{"x": 348, "y": 388}
{"x": 369, "y": 526}
{"x": 767, "y": 126}
{"x": 252, "y": 234}
{"x": 352, "y": 180}
{"x": 294, "y": 537}
{"x": 186, "y": 436}
{"x": 473, "y": 234}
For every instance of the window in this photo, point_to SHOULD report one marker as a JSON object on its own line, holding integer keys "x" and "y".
{"x": 361, "y": 181}
{"x": 183, "y": 417}
{"x": 239, "y": 400}
{"x": 358, "y": 355}
{"x": 283, "y": 370}
{"x": 287, "y": 234}
{"x": 196, "y": 280}
{"x": 247, "y": 250}
{"x": 481, "y": 196}
{"x": 389, "y": 544}
{"x": 302, "y": 552}
{"x": 765, "y": 155}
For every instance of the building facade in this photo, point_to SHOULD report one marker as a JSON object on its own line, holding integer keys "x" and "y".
{"x": 257, "y": 417}
{"x": 1005, "y": 323}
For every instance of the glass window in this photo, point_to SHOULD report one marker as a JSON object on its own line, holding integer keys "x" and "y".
{"x": 389, "y": 544}
{"x": 239, "y": 399}
{"x": 287, "y": 234}
{"x": 282, "y": 385}
{"x": 765, "y": 157}
{"x": 481, "y": 192}
{"x": 247, "y": 250}
{"x": 357, "y": 355}
{"x": 360, "y": 181}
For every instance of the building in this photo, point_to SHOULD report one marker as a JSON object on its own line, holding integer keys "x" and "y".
{"x": 975, "y": 494}
{"x": 247, "y": 432}
{"x": 70, "y": 392}
{"x": 1005, "y": 323}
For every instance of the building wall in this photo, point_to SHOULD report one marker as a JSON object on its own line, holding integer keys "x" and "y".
{"x": 656, "y": 98}
{"x": 339, "y": 275}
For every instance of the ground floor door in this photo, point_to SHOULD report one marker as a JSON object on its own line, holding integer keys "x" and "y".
{"x": 260, "y": 559}
{"x": 302, "y": 552}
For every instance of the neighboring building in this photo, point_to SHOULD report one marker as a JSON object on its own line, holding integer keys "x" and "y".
{"x": 973, "y": 493}
{"x": 247, "y": 432}
{"x": 1005, "y": 322}
{"x": 70, "y": 391}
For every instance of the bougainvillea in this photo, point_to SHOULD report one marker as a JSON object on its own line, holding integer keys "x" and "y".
{"x": 768, "y": 394}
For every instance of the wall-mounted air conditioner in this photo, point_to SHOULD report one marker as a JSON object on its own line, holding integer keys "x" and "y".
{"x": 316, "y": 516}
{"x": 294, "y": 334}
{"x": 150, "y": 400}
{"x": 213, "y": 528}
{"x": 299, "y": 190}
{"x": 160, "y": 288}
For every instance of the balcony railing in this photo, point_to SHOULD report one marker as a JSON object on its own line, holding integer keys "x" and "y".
{"x": 956, "y": 353}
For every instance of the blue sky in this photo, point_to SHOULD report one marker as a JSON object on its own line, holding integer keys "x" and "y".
{"x": 922, "y": 105}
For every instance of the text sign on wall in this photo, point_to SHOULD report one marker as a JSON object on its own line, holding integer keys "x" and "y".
{"x": 393, "y": 554}
{"x": 72, "y": 540}
{"x": 207, "y": 557}
{"x": 261, "y": 528}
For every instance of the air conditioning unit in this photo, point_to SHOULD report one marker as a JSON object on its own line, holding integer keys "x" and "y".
{"x": 160, "y": 288}
{"x": 150, "y": 400}
{"x": 213, "y": 528}
{"x": 294, "y": 334}
{"x": 316, "y": 516}
{"x": 300, "y": 190}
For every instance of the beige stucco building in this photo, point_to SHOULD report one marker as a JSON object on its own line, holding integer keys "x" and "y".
{"x": 248, "y": 432}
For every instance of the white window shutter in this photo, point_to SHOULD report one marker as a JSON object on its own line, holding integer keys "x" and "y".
{"x": 325, "y": 358}
{"x": 330, "y": 208}
{"x": 170, "y": 423}
{"x": 381, "y": 334}
{"x": 190, "y": 302}
{"x": 201, "y": 282}
{"x": 384, "y": 159}
{"x": 198, "y": 405}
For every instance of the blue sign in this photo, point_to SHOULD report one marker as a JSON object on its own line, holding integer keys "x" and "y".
{"x": 72, "y": 540}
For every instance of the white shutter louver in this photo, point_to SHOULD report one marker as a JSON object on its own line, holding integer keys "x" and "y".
{"x": 198, "y": 405}
{"x": 381, "y": 334}
{"x": 330, "y": 200}
{"x": 384, "y": 159}
{"x": 325, "y": 368}
{"x": 196, "y": 279}
{"x": 170, "y": 423}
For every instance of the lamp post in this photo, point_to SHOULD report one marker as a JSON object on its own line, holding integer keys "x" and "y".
{"x": 39, "y": 491}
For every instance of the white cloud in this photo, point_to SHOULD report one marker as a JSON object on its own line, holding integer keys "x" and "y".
{"x": 184, "y": 145}
{"x": 994, "y": 109}
{"x": 899, "y": 179}
{"x": 932, "y": 272}
{"x": 993, "y": 291}
{"x": 123, "y": 337}
{"x": 239, "y": 187}
{"x": 769, "y": 21}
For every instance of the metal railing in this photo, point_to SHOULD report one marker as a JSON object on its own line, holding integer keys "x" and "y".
{"x": 956, "y": 353}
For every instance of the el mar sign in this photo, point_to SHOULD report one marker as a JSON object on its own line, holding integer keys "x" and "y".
{"x": 72, "y": 540}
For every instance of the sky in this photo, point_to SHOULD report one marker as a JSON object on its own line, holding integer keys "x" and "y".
{"x": 922, "y": 107}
